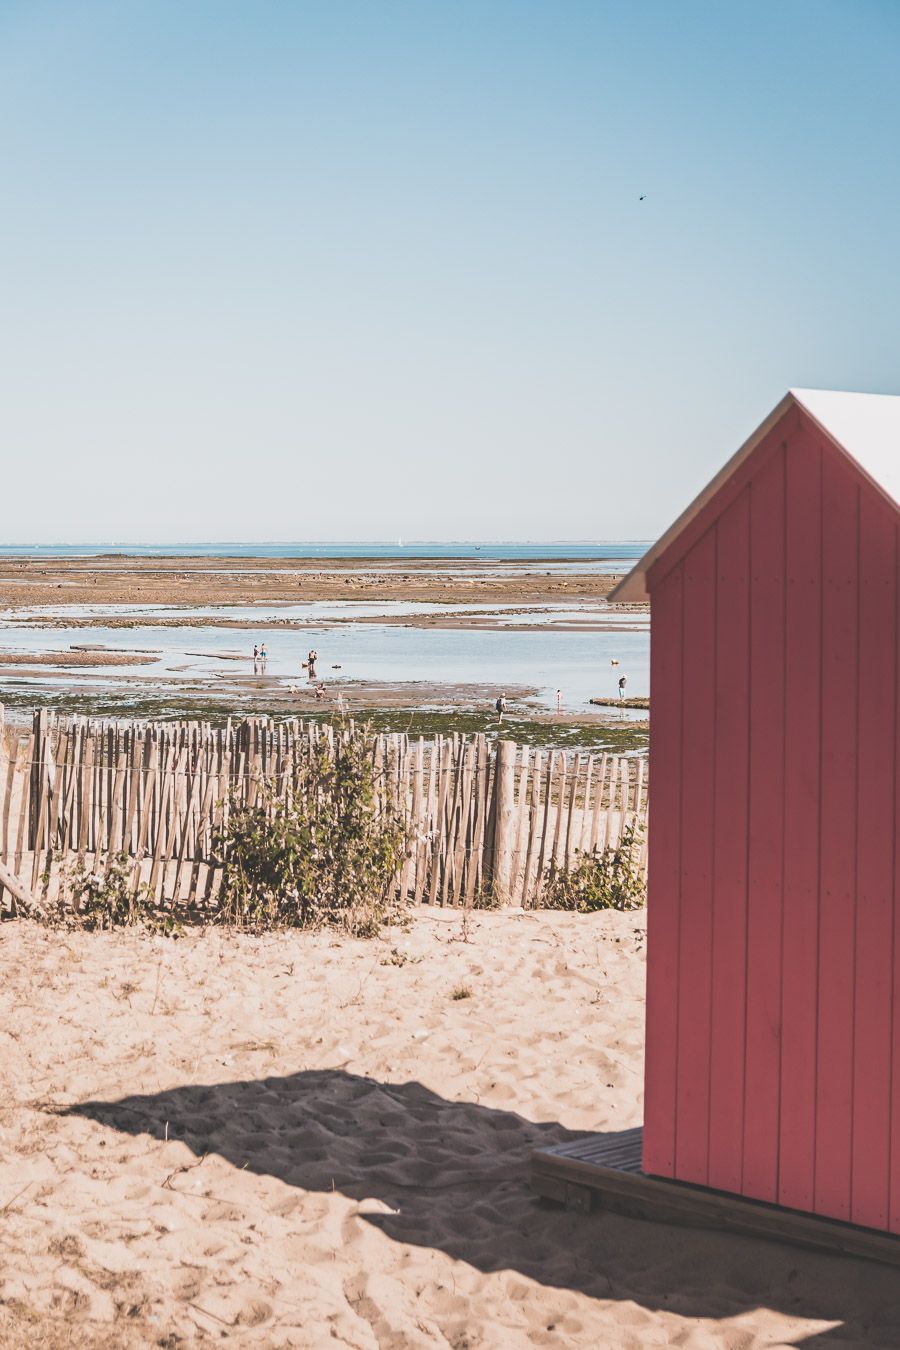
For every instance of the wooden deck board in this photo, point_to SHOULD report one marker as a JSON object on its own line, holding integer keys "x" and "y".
{"x": 606, "y": 1169}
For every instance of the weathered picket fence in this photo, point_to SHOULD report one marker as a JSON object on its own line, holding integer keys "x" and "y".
{"x": 480, "y": 815}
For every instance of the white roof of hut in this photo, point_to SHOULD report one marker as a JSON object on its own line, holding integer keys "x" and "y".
{"x": 866, "y": 427}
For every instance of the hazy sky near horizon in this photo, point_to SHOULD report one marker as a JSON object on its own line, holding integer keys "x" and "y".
{"x": 369, "y": 268}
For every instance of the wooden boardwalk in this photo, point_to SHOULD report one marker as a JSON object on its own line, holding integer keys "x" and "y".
{"x": 605, "y": 1170}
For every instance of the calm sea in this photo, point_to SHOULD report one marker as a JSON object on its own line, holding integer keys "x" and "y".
{"x": 627, "y": 550}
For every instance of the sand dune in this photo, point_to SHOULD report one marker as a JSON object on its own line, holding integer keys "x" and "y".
{"x": 300, "y": 1140}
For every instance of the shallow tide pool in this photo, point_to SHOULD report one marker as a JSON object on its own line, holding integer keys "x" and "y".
{"x": 580, "y": 665}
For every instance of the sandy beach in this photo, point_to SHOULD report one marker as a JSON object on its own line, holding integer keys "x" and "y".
{"x": 302, "y": 1140}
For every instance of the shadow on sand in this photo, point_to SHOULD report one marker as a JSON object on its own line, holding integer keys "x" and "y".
{"x": 456, "y": 1175}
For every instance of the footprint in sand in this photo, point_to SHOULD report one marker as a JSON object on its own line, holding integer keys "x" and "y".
{"x": 254, "y": 1313}
{"x": 222, "y": 1213}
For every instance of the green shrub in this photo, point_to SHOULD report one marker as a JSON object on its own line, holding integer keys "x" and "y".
{"x": 611, "y": 879}
{"x": 331, "y": 855}
{"x": 106, "y": 899}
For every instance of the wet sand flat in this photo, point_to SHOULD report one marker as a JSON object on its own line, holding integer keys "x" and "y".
{"x": 71, "y": 658}
{"x": 502, "y": 619}
{"x": 25, "y": 582}
{"x": 303, "y": 1140}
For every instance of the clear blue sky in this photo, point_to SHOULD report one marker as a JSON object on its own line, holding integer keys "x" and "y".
{"x": 359, "y": 268}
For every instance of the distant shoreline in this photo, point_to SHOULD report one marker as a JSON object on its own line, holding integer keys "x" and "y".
{"x": 365, "y": 551}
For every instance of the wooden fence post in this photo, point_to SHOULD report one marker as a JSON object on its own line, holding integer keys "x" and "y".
{"x": 36, "y": 772}
{"x": 504, "y": 821}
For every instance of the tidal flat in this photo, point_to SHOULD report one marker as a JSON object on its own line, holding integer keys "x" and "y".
{"x": 421, "y": 645}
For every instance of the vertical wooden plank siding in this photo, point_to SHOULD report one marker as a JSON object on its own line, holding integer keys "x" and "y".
{"x": 840, "y": 624}
{"x": 894, "y": 1160}
{"x": 773, "y": 943}
{"x": 663, "y": 878}
{"x": 732, "y": 748}
{"x": 765, "y": 847}
{"x": 800, "y": 928}
{"x": 695, "y": 912}
{"x": 876, "y": 686}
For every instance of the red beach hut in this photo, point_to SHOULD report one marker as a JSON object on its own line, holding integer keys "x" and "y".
{"x": 773, "y": 977}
